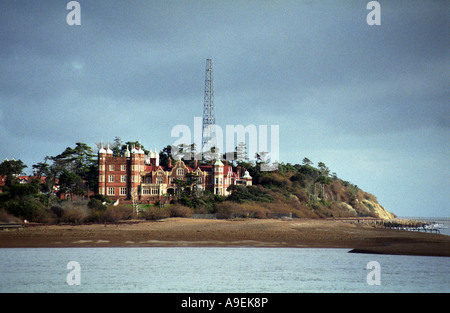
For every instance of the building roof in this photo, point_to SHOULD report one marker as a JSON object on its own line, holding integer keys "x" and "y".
{"x": 218, "y": 163}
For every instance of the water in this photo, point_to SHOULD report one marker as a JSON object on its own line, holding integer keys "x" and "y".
{"x": 242, "y": 270}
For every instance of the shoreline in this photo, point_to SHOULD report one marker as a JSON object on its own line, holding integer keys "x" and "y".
{"x": 187, "y": 232}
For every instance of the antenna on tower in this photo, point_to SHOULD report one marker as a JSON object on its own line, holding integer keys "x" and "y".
{"x": 209, "y": 117}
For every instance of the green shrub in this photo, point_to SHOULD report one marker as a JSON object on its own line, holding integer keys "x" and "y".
{"x": 251, "y": 193}
{"x": 26, "y": 208}
{"x": 96, "y": 204}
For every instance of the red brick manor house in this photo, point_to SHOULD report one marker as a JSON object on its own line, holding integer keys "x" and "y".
{"x": 139, "y": 176}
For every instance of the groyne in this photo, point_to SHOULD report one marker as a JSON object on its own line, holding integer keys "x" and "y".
{"x": 400, "y": 224}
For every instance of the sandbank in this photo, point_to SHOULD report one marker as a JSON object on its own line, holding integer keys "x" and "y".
{"x": 187, "y": 232}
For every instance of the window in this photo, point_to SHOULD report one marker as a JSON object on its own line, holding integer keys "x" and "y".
{"x": 101, "y": 167}
{"x": 148, "y": 180}
{"x": 111, "y": 178}
{"x": 101, "y": 178}
{"x": 111, "y": 167}
{"x": 123, "y": 191}
{"x": 123, "y": 167}
{"x": 123, "y": 178}
{"x": 180, "y": 171}
{"x": 159, "y": 180}
{"x": 146, "y": 191}
{"x": 111, "y": 191}
{"x": 155, "y": 191}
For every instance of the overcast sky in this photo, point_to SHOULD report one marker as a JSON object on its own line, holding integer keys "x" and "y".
{"x": 371, "y": 102}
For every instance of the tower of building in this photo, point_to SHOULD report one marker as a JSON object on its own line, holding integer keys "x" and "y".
{"x": 218, "y": 177}
{"x": 102, "y": 170}
{"x": 152, "y": 158}
{"x": 137, "y": 159}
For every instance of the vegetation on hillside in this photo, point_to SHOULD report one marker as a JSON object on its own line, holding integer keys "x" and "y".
{"x": 300, "y": 190}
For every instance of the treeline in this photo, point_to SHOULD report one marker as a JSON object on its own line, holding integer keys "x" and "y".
{"x": 70, "y": 175}
{"x": 73, "y": 172}
{"x": 301, "y": 190}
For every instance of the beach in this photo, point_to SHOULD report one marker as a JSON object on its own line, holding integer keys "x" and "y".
{"x": 188, "y": 232}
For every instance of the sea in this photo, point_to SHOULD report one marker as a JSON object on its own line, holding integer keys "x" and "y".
{"x": 218, "y": 270}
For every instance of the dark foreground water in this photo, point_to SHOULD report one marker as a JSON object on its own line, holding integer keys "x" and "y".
{"x": 217, "y": 270}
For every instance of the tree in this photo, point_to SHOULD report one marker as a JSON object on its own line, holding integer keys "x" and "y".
{"x": 180, "y": 185}
{"x": 193, "y": 182}
{"x": 241, "y": 152}
{"x": 132, "y": 144}
{"x": 19, "y": 199}
{"x": 72, "y": 183}
{"x": 324, "y": 170}
{"x": 164, "y": 155}
{"x": 117, "y": 147}
{"x": 323, "y": 180}
{"x": 307, "y": 161}
{"x": 11, "y": 169}
{"x": 76, "y": 159}
{"x": 187, "y": 152}
{"x": 76, "y": 162}
{"x": 43, "y": 169}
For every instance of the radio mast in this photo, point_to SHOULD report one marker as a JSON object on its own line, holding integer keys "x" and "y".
{"x": 209, "y": 117}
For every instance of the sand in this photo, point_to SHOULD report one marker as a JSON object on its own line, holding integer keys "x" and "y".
{"x": 186, "y": 232}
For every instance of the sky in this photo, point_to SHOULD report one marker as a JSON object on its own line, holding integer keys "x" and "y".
{"x": 369, "y": 101}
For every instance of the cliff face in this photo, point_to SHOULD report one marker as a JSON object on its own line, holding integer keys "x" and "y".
{"x": 378, "y": 210}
